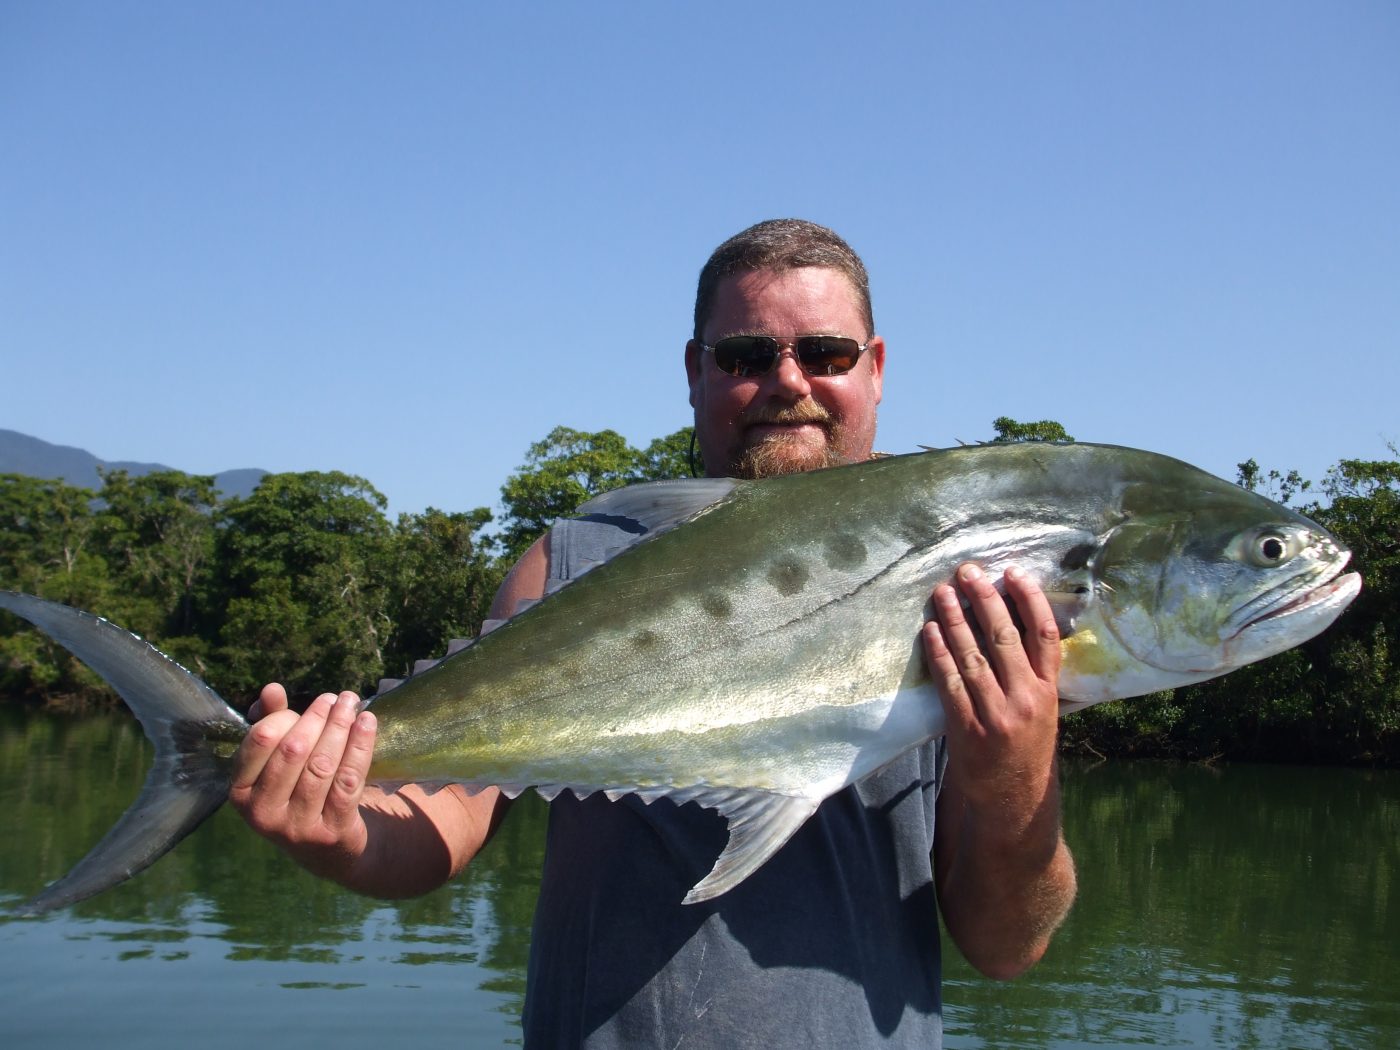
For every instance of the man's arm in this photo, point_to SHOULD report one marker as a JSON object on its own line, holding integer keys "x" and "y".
{"x": 299, "y": 781}
{"x": 1005, "y": 876}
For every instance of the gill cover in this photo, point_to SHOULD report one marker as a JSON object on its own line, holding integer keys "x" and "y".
{"x": 1179, "y": 586}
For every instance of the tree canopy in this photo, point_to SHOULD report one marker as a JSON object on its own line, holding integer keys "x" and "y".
{"x": 570, "y": 467}
{"x": 1009, "y": 430}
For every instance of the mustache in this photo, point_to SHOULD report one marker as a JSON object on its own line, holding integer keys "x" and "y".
{"x": 803, "y": 412}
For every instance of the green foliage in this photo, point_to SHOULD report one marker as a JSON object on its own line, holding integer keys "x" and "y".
{"x": 49, "y": 547}
{"x": 47, "y": 541}
{"x": 1279, "y": 487}
{"x": 1360, "y": 651}
{"x": 157, "y": 534}
{"x": 1009, "y": 431}
{"x": 441, "y": 583}
{"x": 565, "y": 469}
{"x": 571, "y": 466}
{"x": 670, "y": 457}
{"x": 304, "y": 565}
{"x": 304, "y": 581}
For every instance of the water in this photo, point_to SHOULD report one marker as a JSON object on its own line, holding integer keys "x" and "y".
{"x": 1246, "y": 906}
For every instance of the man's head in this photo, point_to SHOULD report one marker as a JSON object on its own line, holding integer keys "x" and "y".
{"x": 784, "y": 278}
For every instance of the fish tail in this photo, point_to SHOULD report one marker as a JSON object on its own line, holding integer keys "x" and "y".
{"x": 194, "y": 732}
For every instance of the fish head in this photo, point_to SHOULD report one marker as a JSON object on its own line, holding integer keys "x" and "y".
{"x": 1219, "y": 579}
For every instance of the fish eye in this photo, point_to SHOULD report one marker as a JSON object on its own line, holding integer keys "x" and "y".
{"x": 1269, "y": 549}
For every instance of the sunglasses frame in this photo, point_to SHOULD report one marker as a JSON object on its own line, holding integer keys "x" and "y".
{"x": 786, "y": 344}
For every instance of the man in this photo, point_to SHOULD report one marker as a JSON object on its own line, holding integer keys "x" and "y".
{"x": 834, "y": 941}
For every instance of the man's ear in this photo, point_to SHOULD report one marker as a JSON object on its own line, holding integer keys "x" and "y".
{"x": 693, "y": 364}
{"x": 875, "y": 351}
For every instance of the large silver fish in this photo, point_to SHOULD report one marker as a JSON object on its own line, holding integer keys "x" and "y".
{"x": 757, "y": 650}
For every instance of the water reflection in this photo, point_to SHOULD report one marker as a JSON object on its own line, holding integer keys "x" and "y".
{"x": 1242, "y": 906}
{"x": 228, "y": 938}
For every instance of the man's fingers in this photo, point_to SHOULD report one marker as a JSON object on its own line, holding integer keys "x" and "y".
{"x": 943, "y": 669}
{"x": 998, "y": 689}
{"x": 313, "y": 782}
{"x": 348, "y": 785}
{"x": 995, "y": 671}
{"x": 1042, "y": 632}
{"x": 958, "y": 634}
{"x": 258, "y": 746}
{"x": 961, "y": 673}
{"x": 970, "y": 653}
{"x": 989, "y": 607}
{"x": 272, "y": 698}
{"x": 282, "y": 767}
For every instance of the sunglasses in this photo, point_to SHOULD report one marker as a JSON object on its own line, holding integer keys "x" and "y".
{"x": 756, "y": 355}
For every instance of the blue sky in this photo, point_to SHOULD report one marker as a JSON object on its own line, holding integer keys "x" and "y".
{"x": 407, "y": 240}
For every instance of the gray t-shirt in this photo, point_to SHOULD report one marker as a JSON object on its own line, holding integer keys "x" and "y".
{"x": 832, "y": 942}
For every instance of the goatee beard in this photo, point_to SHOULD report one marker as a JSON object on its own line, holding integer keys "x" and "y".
{"x": 779, "y": 454}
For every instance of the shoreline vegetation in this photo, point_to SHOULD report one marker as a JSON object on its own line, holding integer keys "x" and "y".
{"x": 308, "y": 580}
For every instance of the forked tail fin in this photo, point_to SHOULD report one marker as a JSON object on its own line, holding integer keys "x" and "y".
{"x": 194, "y": 732}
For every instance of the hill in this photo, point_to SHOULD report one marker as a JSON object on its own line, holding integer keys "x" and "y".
{"x": 36, "y": 458}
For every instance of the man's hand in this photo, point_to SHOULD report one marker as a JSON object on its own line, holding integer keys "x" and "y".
{"x": 1002, "y": 706}
{"x": 298, "y": 779}
{"x": 1005, "y": 876}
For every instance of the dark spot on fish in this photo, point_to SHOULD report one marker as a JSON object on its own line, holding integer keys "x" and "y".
{"x": 717, "y": 605}
{"x": 646, "y": 640}
{"x": 844, "y": 551}
{"x": 916, "y": 527}
{"x": 789, "y": 576}
{"x": 1077, "y": 557}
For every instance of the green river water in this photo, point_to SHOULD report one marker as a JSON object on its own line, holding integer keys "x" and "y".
{"x": 1240, "y": 906}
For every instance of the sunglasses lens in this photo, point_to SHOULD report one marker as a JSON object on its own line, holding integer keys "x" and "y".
{"x": 755, "y": 355}
{"x": 827, "y": 355}
{"x": 746, "y": 355}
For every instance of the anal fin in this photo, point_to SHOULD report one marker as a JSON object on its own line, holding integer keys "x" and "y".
{"x": 760, "y": 822}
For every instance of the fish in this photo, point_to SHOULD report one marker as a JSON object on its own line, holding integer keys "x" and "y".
{"x": 755, "y": 649}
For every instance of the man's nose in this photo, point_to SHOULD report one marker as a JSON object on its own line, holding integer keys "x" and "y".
{"x": 787, "y": 378}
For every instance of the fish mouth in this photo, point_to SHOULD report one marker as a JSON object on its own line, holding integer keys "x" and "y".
{"x": 1304, "y": 595}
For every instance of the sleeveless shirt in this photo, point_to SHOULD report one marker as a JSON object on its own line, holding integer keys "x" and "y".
{"x": 831, "y": 943}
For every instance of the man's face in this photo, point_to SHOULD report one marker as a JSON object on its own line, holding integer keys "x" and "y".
{"x": 786, "y": 421}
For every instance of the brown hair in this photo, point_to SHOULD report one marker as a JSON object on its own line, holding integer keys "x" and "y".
{"x": 780, "y": 244}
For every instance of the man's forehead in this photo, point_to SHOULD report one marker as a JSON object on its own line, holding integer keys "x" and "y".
{"x": 755, "y": 282}
{"x": 809, "y": 290}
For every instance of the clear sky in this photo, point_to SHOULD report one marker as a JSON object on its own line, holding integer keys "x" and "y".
{"x": 407, "y": 240}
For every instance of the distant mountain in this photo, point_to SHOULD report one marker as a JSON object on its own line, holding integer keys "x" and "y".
{"x": 22, "y": 454}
